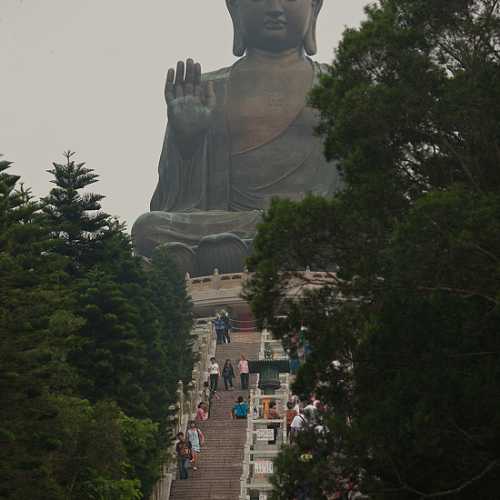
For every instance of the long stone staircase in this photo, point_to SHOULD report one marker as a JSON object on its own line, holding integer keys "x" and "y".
{"x": 220, "y": 464}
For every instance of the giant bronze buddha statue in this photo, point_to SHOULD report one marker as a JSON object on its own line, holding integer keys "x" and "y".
{"x": 238, "y": 137}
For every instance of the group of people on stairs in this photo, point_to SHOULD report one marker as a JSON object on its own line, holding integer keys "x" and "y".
{"x": 228, "y": 374}
{"x": 189, "y": 445}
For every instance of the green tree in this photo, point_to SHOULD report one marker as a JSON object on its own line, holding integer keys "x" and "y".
{"x": 134, "y": 344}
{"x": 32, "y": 350}
{"x": 75, "y": 217}
{"x": 91, "y": 347}
{"x": 169, "y": 295}
{"x": 404, "y": 334}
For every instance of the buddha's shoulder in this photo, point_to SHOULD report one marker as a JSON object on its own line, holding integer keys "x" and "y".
{"x": 224, "y": 73}
{"x": 217, "y": 75}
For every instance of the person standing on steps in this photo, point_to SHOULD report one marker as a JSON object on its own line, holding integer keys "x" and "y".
{"x": 218, "y": 323}
{"x": 183, "y": 452}
{"x": 228, "y": 374}
{"x": 244, "y": 372}
{"x": 196, "y": 440}
{"x": 240, "y": 409}
{"x": 214, "y": 371}
{"x": 227, "y": 327}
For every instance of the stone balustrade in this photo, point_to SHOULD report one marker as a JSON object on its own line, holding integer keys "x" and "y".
{"x": 260, "y": 452}
{"x": 187, "y": 398}
{"x": 225, "y": 290}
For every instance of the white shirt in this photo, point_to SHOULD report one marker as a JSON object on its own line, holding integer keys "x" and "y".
{"x": 214, "y": 369}
{"x": 298, "y": 422}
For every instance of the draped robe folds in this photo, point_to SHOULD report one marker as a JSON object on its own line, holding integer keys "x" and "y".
{"x": 218, "y": 190}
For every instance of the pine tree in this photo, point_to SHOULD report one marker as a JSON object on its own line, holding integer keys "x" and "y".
{"x": 35, "y": 325}
{"x": 89, "y": 360}
{"x": 75, "y": 217}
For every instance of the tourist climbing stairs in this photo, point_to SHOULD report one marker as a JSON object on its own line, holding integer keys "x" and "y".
{"x": 220, "y": 464}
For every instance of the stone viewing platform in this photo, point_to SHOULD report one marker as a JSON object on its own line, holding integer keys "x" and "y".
{"x": 217, "y": 291}
{"x": 220, "y": 291}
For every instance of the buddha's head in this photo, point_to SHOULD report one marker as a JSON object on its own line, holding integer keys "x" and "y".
{"x": 274, "y": 25}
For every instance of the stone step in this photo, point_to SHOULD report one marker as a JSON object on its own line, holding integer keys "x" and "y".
{"x": 220, "y": 463}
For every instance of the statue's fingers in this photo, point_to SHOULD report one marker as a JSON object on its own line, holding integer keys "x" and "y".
{"x": 209, "y": 92}
{"x": 169, "y": 86}
{"x": 170, "y": 75}
{"x": 197, "y": 74}
{"x": 197, "y": 80}
{"x": 189, "y": 80}
{"x": 198, "y": 90}
{"x": 179, "y": 91}
{"x": 179, "y": 74}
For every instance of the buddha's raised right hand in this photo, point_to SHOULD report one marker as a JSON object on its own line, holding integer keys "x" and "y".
{"x": 190, "y": 102}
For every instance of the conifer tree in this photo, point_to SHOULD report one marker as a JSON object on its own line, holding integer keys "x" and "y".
{"x": 89, "y": 360}
{"x": 75, "y": 217}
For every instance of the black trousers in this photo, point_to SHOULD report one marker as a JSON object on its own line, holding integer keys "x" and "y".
{"x": 244, "y": 380}
{"x": 214, "y": 382}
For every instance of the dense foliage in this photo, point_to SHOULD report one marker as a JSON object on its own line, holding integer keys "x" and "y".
{"x": 405, "y": 337}
{"x": 91, "y": 346}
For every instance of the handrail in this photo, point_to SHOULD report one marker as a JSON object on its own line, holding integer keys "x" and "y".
{"x": 186, "y": 402}
{"x": 248, "y": 482}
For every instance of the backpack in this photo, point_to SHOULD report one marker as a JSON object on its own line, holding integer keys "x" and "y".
{"x": 240, "y": 410}
{"x": 183, "y": 450}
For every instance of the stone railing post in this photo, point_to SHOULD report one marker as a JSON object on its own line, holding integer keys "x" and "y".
{"x": 204, "y": 359}
{"x": 196, "y": 378}
{"x": 180, "y": 405}
{"x": 216, "y": 279}
{"x": 189, "y": 411}
{"x": 212, "y": 342}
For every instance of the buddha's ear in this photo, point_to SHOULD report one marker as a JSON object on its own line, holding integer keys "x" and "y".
{"x": 239, "y": 45}
{"x": 310, "y": 41}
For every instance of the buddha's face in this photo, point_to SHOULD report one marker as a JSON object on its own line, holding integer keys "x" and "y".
{"x": 275, "y": 25}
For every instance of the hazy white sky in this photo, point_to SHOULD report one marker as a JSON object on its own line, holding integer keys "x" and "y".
{"x": 88, "y": 75}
